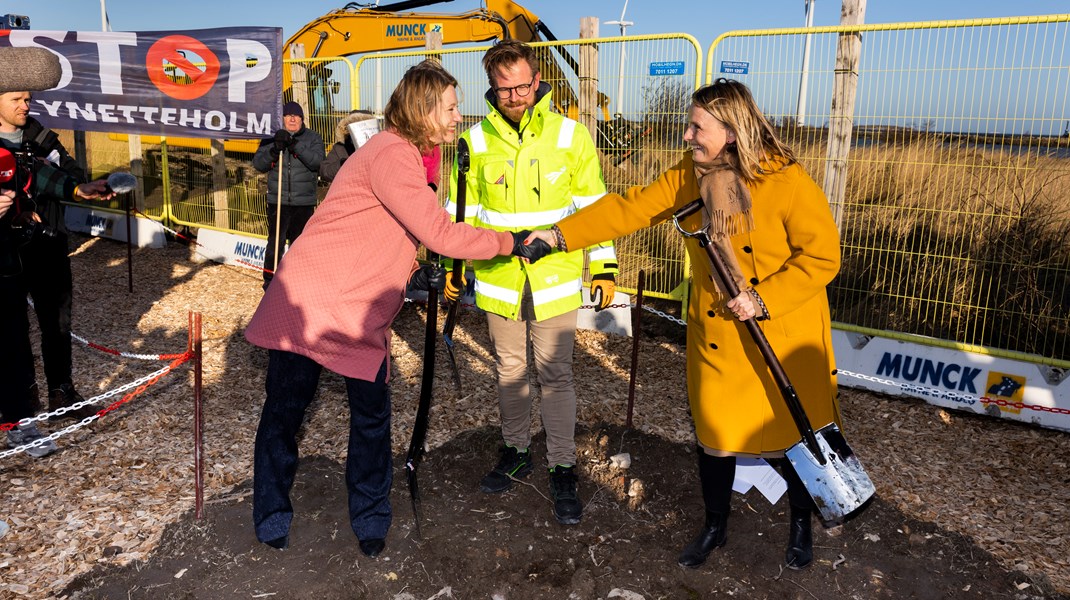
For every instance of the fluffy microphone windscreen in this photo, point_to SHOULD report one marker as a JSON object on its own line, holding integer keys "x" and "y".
{"x": 121, "y": 183}
{"x": 28, "y": 70}
{"x": 7, "y": 165}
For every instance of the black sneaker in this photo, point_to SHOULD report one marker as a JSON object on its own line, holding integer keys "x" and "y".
{"x": 513, "y": 463}
{"x": 567, "y": 506}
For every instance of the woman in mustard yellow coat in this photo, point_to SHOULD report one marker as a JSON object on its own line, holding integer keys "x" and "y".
{"x": 776, "y": 223}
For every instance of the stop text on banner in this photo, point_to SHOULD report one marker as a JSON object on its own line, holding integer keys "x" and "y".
{"x": 220, "y": 83}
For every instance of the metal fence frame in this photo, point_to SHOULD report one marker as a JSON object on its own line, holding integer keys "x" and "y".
{"x": 167, "y": 170}
{"x": 964, "y": 317}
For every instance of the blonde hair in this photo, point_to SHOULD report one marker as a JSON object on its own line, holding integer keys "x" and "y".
{"x": 414, "y": 99}
{"x": 731, "y": 103}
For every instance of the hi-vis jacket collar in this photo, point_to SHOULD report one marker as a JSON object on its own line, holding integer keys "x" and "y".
{"x": 542, "y": 105}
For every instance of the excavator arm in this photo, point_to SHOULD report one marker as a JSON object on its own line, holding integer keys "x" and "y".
{"x": 357, "y": 29}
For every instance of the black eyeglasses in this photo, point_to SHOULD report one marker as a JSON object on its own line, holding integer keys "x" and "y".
{"x": 521, "y": 90}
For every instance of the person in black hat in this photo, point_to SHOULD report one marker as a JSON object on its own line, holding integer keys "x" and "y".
{"x": 297, "y": 151}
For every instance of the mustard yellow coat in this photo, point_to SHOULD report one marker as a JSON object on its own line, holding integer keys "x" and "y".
{"x": 790, "y": 256}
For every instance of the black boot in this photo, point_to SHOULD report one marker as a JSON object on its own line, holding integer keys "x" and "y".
{"x": 800, "y": 539}
{"x": 713, "y": 535}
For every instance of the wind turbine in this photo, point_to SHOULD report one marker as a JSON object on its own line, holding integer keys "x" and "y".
{"x": 104, "y": 24}
{"x": 624, "y": 25}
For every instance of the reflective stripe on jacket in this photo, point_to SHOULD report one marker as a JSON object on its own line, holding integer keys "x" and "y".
{"x": 531, "y": 179}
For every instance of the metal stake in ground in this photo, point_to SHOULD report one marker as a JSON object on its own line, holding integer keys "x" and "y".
{"x": 457, "y": 275}
{"x": 826, "y": 464}
{"x": 636, "y": 314}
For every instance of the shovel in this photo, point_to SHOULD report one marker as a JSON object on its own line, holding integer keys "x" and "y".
{"x": 458, "y": 264}
{"x": 824, "y": 462}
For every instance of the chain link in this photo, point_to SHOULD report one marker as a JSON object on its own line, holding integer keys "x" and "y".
{"x": 949, "y": 395}
{"x": 664, "y": 315}
{"x": 138, "y": 385}
{"x": 1021, "y": 405}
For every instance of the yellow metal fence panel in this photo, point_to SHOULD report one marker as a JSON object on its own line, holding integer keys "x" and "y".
{"x": 955, "y": 220}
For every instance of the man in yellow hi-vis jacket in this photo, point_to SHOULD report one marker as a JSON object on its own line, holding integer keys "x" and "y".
{"x": 530, "y": 167}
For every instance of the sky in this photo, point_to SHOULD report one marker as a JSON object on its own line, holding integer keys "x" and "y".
{"x": 703, "y": 19}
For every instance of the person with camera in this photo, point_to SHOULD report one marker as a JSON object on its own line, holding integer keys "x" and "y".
{"x": 297, "y": 152}
{"x": 28, "y": 190}
{"x": 46, "y": 265}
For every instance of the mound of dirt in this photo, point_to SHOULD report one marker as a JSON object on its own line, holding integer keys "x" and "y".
{"x": 508, "y": 546}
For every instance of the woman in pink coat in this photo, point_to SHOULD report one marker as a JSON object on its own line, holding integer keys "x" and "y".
{"x": 339, "y": 289}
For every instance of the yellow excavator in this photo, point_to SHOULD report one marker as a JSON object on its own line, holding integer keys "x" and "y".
{"x": 361, "y": 28}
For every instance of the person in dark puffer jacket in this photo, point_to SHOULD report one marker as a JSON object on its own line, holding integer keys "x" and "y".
{"x": 343, "y": 145}
{"x": 298, "y": 151}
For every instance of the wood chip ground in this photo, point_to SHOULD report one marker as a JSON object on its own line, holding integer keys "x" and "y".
{"x": 107, "y": 496}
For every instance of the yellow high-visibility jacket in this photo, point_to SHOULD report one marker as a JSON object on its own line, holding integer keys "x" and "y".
{"x": 531, "y": 179}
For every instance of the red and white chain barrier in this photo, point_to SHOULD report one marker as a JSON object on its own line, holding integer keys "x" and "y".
{"x": 138, "y": 386}
{"x": 911, "y": 388}
{"x": 114, "y": 352}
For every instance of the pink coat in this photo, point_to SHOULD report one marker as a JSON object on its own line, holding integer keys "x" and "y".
{"x": 339, "y": 288}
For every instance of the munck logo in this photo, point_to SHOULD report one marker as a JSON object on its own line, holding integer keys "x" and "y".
{"x": 553, "y": 177}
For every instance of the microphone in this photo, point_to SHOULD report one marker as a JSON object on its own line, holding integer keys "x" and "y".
{"x": 28, "y": 70}
{"x": 121, "y": 183}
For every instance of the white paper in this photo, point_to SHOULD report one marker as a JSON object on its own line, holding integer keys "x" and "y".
{"x": 755, "y": 472}
{"x": 362, "y": 131}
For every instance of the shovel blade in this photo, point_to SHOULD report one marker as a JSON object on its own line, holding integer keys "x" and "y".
{"x": 840, "y": 486}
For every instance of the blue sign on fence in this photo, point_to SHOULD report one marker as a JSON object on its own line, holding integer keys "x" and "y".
{"x": 667, "y": 68}
{"x": 736, "y": 67}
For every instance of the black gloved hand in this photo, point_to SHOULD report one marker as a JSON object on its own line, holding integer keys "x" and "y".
{"x": 427, "y": 277}
{"x": 533, "y": 251}
{"x": 283, "y": 139}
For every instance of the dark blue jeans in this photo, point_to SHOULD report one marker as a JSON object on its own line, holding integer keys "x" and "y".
{"x": 292, "y": 380}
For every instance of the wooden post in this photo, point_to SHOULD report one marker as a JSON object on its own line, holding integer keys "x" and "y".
{"x": 433, "y": 41}
{"x": 80, "y": 153}
{"x": 299, "y": 79}
{"x": 841, "y": 120}
{"x": 137, "y": 169}
{"x": 588, "y": 97}
{"x": 219, "y": 185}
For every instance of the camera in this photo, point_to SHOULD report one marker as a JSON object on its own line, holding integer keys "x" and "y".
{"x": 14, "y": 22}
{"x": 17, "y": 228}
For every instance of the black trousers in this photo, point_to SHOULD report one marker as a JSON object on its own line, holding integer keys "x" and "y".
{"x": 292, "y": 222}
{"x": 292, "y": 380}
{"x": 47, "y": 273}
{"x": 18, "y": 387}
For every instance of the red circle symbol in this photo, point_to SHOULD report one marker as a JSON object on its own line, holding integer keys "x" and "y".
{"x": 168, "y": 54}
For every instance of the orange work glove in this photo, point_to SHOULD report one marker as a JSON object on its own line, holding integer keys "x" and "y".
{"x": 603, "y": 288}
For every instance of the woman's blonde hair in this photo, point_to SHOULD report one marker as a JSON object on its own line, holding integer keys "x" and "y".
{"x": 731, "y": 103}
{"x": 413, "y": 100}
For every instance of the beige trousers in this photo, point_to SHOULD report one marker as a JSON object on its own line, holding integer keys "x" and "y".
{"x": 552, "y": 341}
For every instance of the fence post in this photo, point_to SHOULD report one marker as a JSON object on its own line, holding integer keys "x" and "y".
{"x": 299, "y": 78}
{"x": 433, "y": 41}
{"x": 81, "y": 153}
{"x": 137, "y": 169}
{"x": 588, "y": 74}
{"x": 219, "y": 185}
{"x": 841, "y": 119}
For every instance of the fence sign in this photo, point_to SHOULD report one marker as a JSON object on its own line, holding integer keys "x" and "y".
{"x": 735, "y": 67}
{"x": 219, "y": 83}
{"x": 667, "y": 68}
